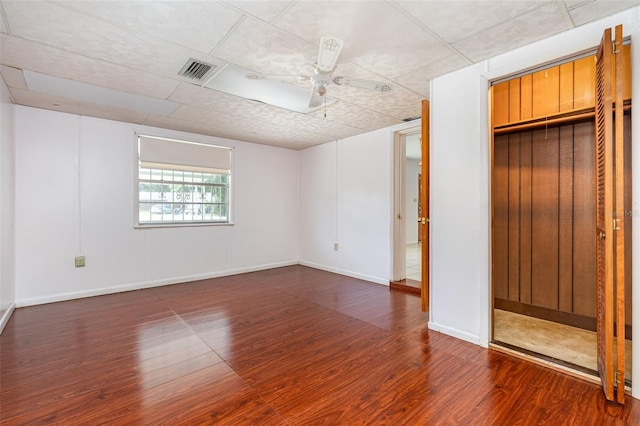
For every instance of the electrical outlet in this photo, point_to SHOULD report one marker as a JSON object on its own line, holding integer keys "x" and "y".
{"x": 335, "y": 246}
{"x": 79, "y": 261}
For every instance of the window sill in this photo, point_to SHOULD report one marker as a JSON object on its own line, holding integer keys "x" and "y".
{"x": 180, "y": 225}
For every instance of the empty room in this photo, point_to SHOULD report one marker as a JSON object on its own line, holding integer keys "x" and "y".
{"x": 319, "y": 212}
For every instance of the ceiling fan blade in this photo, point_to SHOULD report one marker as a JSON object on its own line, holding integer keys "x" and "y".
{"x": 328, "y": 53}
{"x": 259, "y": 76}
{"x": 362, "y": 84}
{"x": 315, "y": 101}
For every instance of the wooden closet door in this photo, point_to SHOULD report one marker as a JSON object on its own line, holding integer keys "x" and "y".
{"x": 424, "y": 204}
{"x": 620, "y": 215}
{"x": 609, "y": 223}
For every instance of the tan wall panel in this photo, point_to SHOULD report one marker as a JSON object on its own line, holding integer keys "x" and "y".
{"x": 584, "y": 219}
{"x": 565, "y": 228}
{"x": 500, "y": 244}
{"x": 500, "y": 111}
{"x": 525, "y": 218}
{"x": 514, "y": 217}
{"x": 538, "y": 93}
{"x": 544, "y": 220}
{"x": 526, "y": 87}
{"x": 584, "y": 77}
{"x": 514, "y": 100}
{"x": 566, "y": 87}
{"x": 552, "y": 90}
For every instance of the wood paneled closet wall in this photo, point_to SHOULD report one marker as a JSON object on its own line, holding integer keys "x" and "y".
{"x": 543, "y": 193}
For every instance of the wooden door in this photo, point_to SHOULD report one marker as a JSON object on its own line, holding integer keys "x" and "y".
{"x": 610, "y": 218}
{"x": 424, "y": 206}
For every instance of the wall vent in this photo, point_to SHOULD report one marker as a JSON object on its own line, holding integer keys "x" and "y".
{"x": 198, "y": 70}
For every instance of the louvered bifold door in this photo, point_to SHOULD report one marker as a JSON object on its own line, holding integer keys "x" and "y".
{"x": 609, "y": 225}
{"x": 619, "y": 216}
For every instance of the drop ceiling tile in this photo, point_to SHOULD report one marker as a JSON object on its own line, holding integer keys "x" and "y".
{"x": 75, "y": 31}
{"x": 222, "y": 132}
{"x": 3, "y": 27}
{"x": 541, "y": 22}
{"x": 13, "y": 77}
{"x": 252, "y": 123}
{"x": 418, "y": 80}
{"x": 204, "y": 129}
{"x": 355, "y": 115}
{"x": 255, "y": 45}
{"x": 223, "y": 103}
{"x": 583, "y": 13}
{"x": 58, "y": 103}
{"x": 246, "y": 115}
{"x": 456, "y": 20}
{"x": 570, "y": 4}
{"x": 206, "y": 98}
{"x": 378, "y": 37}
{"x": 37, "y": 57}
{"x": 399, "y": 103}
{"x": 198, "y": 25}
{"x": 264, "y": 10}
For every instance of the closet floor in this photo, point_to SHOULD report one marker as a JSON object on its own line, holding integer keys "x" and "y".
{"x": 558, "y": 341}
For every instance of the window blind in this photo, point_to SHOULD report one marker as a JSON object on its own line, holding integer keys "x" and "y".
{"x": 168, "y": 154}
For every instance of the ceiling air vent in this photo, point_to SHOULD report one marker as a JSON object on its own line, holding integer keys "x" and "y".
{"x": 198, "y": 70}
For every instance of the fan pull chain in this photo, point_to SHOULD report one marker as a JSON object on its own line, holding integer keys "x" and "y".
{"x": 325, "y": 106}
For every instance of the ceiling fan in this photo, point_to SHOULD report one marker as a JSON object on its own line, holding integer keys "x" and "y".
{"x": 328, "y": 53}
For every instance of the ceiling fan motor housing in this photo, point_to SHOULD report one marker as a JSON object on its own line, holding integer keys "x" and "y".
{"x": 321, "y": 80}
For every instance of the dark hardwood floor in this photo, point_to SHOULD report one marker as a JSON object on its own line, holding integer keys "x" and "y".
{"x": 286, "y": 346}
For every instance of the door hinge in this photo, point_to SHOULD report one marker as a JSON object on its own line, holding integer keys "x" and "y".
{"x": 616, "y": 378}
{"x": 616, "y": 223}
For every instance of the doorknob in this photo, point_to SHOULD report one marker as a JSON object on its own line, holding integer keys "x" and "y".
{"x": 601, "y": 235}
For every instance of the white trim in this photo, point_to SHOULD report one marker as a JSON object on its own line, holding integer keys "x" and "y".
{"x": 147, "y": 284}
{"x": 484, "y": 218}
{"x": 398, "y": 225}
{"x": 454, "y": 332}
{"x": 375, "y": 280}
{"x": 7, "y": 314}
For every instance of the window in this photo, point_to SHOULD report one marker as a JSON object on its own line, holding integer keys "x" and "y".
{"x": 182, "y": 183}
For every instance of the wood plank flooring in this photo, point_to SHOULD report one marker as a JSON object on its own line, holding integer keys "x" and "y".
{"x": 288, "y": 346}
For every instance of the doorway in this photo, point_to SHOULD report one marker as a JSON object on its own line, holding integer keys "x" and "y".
{"x": 407, "y": 256}
{"x": 546, "y": 286}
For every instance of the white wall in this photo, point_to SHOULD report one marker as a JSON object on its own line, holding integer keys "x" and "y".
{"x": 7, "y": 252}
{"x": 460, "y": 165}
{"x": 412, "y": 171}
{"x": 458, "y": 206}
{"x": 74, "y": 195}
{"x": 345, "y": 197}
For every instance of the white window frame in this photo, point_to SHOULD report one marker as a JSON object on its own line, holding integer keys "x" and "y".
{"x": 185, "y": 165}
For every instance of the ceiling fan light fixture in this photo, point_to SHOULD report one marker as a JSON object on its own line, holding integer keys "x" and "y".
{"x": 330, "y": 48}
{"x": 238, "y": 81}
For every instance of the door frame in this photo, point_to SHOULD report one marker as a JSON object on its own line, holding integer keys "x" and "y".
{"x": 399, "y": 238}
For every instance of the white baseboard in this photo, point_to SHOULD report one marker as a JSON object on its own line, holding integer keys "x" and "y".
{"x": 5, "y": 317}
{"x": 146, "y": 284}
{"x": 453, "y": 332}
{"x": 364, "y": 277}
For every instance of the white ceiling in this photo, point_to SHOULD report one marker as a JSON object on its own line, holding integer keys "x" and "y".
{"x": 138, "y": 47}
